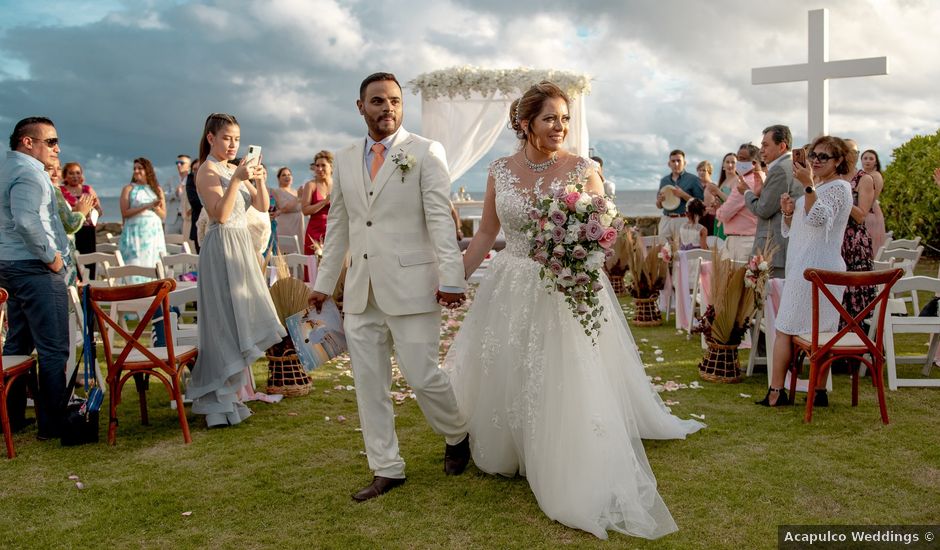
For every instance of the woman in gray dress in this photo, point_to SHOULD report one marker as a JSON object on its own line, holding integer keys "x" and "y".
{"x": 237, "y": 320}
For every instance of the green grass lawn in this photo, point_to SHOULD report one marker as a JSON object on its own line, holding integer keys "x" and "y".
{"x": 284, "y": 477}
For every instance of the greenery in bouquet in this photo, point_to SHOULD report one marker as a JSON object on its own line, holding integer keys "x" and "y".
{"x": 571, "y": 233}
{"x": 737, "y": 292}
{"x": 648, "y": 266}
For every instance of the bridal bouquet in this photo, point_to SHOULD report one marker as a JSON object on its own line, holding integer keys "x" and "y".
{"x": 571, "y": 233}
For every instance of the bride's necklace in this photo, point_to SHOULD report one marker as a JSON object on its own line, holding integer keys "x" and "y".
{"x": 539, "y": 167}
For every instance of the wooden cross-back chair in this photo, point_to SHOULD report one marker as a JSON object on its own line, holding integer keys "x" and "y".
{"x": 852, "y": 341}
{"x": 164, "y": 363}
{"x": 12, "y": 367}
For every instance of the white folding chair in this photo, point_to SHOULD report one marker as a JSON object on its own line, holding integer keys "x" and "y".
{"x": 109, "y": 248}
{"x": 113, "y": 239}
{"x": 174, "y": 238}
{"x": 296, "y": 264}
{"x": 183, "y": 248}
{"x": 905, "y": 259}
{"x": 912, "y": 324}
{"x": 715, "y": 241}
{"x": 102, "y": 261}
{"x": 175, "y": 265}
{"x": 287, "y": 244}
{"x": 694, "y": 259}
{"x": 907, "y": 244}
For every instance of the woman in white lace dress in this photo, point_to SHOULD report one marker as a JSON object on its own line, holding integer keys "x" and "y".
{"x": 814, "y": 224}
{"x": 541, "y": 400}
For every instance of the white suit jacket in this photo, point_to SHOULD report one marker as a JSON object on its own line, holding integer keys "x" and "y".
{"x": 399, "y": 234}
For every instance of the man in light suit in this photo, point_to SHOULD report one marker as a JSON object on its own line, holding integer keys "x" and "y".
{"x": 390, "y": 210}
{"x": 765, "y": 201}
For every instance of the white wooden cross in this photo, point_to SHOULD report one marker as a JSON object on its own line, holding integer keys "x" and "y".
{"x": 817, "y": 72}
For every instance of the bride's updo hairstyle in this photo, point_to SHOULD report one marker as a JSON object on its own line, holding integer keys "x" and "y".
{"x": 215, "y": 123}
{"x": 527, "y": 107}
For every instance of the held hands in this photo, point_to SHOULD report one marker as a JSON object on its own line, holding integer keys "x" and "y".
{"x": 450, "y": 300}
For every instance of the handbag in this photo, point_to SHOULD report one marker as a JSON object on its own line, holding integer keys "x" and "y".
{"x": 82, "y": 415}
{"x": 930, "y": 309}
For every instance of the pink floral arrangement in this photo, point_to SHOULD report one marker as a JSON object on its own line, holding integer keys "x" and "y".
{"x": 571, "y": 234}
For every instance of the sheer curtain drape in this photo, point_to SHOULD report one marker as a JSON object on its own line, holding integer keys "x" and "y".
{"x": 468, "y": 128}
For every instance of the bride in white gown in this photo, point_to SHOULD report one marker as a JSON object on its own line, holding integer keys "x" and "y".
{"x": 542, "y": 400}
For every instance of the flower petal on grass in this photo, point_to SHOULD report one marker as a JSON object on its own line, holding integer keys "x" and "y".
{"x": 187, "y": 514}
{"x": 73, "y": 477}
{"x": 79, "y": 485}
{"x": 745, "y": 395}
{"x": 699, "y": 416}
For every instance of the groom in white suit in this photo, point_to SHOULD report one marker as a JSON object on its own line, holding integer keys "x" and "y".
{"x": 390, "y": 210}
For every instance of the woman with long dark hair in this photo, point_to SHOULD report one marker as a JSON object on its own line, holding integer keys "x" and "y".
{"x": 875, "y": 220}
{"x": 143, "y": 208}
{"x": 73, "y": 189}
{"x": 237, "y": 320}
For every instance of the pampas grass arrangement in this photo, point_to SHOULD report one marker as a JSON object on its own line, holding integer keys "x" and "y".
{"x": 648, "y": 267}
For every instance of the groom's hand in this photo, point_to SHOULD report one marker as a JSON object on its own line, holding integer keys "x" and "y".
{"x": 450, "y": 300}
{"x": 316, "y": 300}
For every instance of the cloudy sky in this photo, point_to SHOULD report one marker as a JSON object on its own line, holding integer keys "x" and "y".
{"x": 128, "y": 78}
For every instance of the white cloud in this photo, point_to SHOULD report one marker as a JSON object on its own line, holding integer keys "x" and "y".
{"x": 137, "y": 77}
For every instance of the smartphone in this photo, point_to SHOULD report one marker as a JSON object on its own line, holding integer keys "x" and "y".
{"x": 799, "y": 156}
{"x": 254, "y": 151}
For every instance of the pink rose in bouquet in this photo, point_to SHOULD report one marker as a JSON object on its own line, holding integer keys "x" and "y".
{"x": 558, "y": 217}
{"x": 593, "y": 230}
{"x": 608, "y": 239}
{"x": 571, "y": 199}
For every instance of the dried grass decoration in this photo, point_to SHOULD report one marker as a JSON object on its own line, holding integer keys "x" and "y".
{"x": 286, "y": 374}
{"x": 616, "y": 265}
{"x": 737, "y": 292}
{"x": 648, "y": 269}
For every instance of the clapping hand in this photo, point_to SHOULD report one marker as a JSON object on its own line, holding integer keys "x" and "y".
{"x": 742, "y": 185}
{"x": 84, "y": 204}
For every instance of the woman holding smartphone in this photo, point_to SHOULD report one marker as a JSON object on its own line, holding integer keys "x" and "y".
{"x": 237, "y": 318}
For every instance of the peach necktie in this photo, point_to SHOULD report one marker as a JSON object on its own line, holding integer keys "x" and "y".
{"x": 377, "y": 159}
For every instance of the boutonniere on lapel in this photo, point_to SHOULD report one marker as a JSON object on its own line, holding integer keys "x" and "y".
{"x": 404, "y": 163}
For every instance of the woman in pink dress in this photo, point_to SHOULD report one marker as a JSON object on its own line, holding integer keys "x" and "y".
{"x": 316, "y": 200}
{"x": 875, "y": 220}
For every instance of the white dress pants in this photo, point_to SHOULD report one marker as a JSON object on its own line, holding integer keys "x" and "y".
{"x": 416, "y": 339}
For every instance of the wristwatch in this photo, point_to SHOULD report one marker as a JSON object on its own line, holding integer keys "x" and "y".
{"x": 808, "y": 189}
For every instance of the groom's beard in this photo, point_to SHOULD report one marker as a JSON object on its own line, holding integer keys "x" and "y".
{"x": 383, "y": 125}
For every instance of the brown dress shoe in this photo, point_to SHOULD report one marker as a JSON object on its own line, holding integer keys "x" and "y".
{"x": 456, "y": 457}
{"x": 379, "y": 486}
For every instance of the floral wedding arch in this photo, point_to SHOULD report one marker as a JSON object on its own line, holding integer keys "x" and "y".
{"x": 466, "y": 108}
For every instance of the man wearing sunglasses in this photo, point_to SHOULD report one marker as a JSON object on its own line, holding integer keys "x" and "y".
{"x": 33, "y": 248}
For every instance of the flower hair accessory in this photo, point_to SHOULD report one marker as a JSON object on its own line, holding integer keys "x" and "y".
{"x": 404, "y": 163}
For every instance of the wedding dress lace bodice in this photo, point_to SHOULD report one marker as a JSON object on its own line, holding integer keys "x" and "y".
{"x": 516, "y": 194}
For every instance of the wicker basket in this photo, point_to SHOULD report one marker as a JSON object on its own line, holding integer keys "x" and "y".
{"x": 646, "y": 313}
{"x": 286, "y": 375}
{"x": 616, "y": 281}
{"x": 720, "y": 363}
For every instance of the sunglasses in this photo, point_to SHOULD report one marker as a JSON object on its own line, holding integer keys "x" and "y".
{"x": 821, "y": 157}
{"x": 180, "y": 162}
{"x": 50, "y": 142}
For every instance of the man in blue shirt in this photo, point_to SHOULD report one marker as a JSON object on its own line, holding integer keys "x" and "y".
{"x": 33, "y": 248}
{"x": 685, "y": 186}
